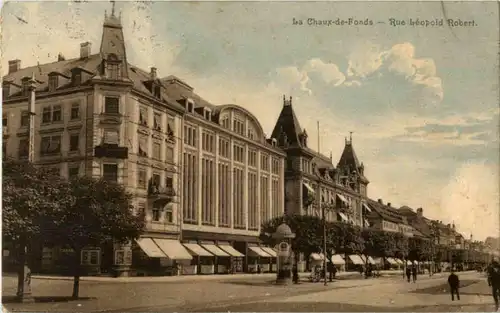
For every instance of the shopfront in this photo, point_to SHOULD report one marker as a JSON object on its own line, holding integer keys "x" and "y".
{"x": 161, "y": 256}
{"x": 258, "y": 259}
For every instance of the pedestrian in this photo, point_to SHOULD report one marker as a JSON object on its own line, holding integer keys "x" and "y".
{"x": 494, "y": 274}
{"x": 295, "y": 274}
{"x": 454, "y": 283}
{"x": 408, "y": 273}
{"x": 334, "y": 271}
{"x": 330, "y": 270}
{"x": 414, "y": 273}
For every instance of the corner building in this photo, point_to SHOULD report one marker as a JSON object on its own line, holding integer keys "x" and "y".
{"x": 313, "y": 183}
{"x": 232, "y": 183}
{"x": 100, "y": 116}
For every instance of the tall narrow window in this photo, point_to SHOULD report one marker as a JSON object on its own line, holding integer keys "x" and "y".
{"x": 47, "y": 115}
{"x": 74, "y": 142}
{"x": 53, "y": 82}
{"x": 25, "y": 119}
{"x": 112, "y": 105}
{"x": 157, "y": 121}
{"x": 110, "y": 172}
{"x": 23, "y": 148}
{"x": 75, "y": 111}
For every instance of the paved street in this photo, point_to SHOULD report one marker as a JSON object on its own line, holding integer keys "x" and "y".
{"x": 256, "y": 293}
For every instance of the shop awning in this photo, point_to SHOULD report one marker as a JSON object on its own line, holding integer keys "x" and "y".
{"x": 257, "y": 251}
{"x": 338, "y": 259}
{"x": 317, "y": 256}
{"x": 399, "y": 261}
{"x": 378, "y": 260}
{"x": 343, "y": 217}
{"x": 232, "y": 251}
{"x": 215, "y": 250}
{"x": 308, "y": 187}
{"x": 392, "y": 261}
{"x": 196, "y": 250}
{"x": 356, "y": 259}
{"x": 367, "y": 207}
{"x": 150, "y": 248}
{"x": 342, "y": 198}
{"x": 270, "y": 251}
{"x": 173, "y": 249}
{"x": 371, "y": 260}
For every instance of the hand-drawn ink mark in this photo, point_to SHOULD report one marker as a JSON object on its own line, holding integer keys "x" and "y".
{"x": 20, "y": 19}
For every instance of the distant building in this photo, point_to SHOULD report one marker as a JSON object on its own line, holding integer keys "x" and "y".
{"x": 387, "y": 218}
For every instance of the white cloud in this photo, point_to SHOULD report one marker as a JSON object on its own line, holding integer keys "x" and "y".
{"x": 471, "y": 199}
{"x": 329, "y": 72}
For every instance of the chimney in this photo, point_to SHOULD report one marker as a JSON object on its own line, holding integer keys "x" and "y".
{"x": 60, "y": 57}
{"x": 380, "y": 201}
{"x": 153, "y": 73}
{"x": 14, "y": 65}
{"x": 388, "y": 204}
{"x": 420, "y": 212}
{"x": 85, "y": 49}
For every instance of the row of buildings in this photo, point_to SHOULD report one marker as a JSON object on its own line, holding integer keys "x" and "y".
{"x": 206, "y": 175}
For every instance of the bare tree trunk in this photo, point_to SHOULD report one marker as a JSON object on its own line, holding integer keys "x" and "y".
{"x": 76, "y": 273}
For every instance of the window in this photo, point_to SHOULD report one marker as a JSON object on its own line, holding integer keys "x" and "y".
{"x": 169, "y": 155}
{"x": 73, "y": 171}
{"x": 75, "y": 111}
{"x": 141, "y": 208}
{"x": 143, "y": 116}
{"x": 207, "y": 143}
{"x": 46, "y": 115}
{"x": 225, "y": 122}
{"x": 74, "y": 142}
{"x": 190, "y": 135}
{"x": 239, "y": 126}
{"x": 141, "y": 178}
{"x": 157, "y": 121}
{"x": 50, "y": 145}
{"x": 239, "y": 153}
{"x": 264, "y": 162}
{"x": 113, "y": 70}
{"x": 4, "y": 149}
{"x": 5, "y": 120}
{"x": 156, "y": 180}
{"x": 157, "y": 91}
{"x": 156, "y": 151}
{"x": 56, "y": 113}
{"x": 156, "y": 212}
{"x": 111, "y": 137}
{"x": 275, "y": 166}
{"x": 169, "y": 213}
{"x": 77, "y": 78}
{"x": 170, "y": 125}
{"x": 53, "y": 82}
{"x": 224, "y": 150}
{"x": 252, "y": 158}
{"x": 143, "y": 146}
{"x": 110, "y": 172}
{"x": 111, "y": 105}
{"x": 90, "y": 257}
{"x": 25, "y": 119}
{"x": 23, "y": 147}
{"x": 251, "y": 134}
{"x": 169, "y": 182}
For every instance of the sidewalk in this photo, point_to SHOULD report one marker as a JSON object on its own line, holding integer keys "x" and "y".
{"x": 191, "y": 278}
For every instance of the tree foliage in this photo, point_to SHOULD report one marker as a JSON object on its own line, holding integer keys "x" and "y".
{"x": 29, "y": 196}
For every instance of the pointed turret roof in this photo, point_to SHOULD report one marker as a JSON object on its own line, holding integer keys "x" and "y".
{"x": 113, "y": 41}
{"x": 349, "y": 157}
{"x": 288, "y": 123}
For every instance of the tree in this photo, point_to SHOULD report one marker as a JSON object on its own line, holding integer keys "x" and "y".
{"x": 100, "y": 212}
{"x": 308, "y": 232}
{"x": 346, "y": 238}
{"x": 30, "y": 195}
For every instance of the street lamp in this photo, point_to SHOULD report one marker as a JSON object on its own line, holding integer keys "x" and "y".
{"x": 324, "y": 207}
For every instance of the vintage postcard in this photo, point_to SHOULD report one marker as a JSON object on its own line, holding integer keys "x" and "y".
{"x": 250, "y": 156}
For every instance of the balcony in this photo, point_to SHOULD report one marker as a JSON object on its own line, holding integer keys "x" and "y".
{"x": 156, "y": 192}
{"x": 111, "y": 151}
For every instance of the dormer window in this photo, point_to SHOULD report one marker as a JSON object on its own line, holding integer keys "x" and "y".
{"x": 53, "y": 82}
{"x": 207, "y": 114}
{"x": 225, "y": 122}
{"x": 76, "y": 79}
{"x": 26, "y": 84}
{"x": 113, "y": 67}
{"x": 5, "y": 89}
{"x": 157, "y": 91}
{"x": 274, "y": 142}
{"x": 189, "y": 105}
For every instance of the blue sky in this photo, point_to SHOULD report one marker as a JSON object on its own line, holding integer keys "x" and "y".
{"x": 422, "y": 101}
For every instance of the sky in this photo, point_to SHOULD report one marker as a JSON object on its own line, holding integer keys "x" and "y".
{"x": 422, "y": 102}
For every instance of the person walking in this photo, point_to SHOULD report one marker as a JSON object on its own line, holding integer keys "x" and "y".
{"x": 494, "y": 275}
{"x": 414, "y": 273}
{"x": 330, "y": 267}
{"x": 454, "y": 283}
{"x": 295, "y": 274}
{"x": 408, "y": 273}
